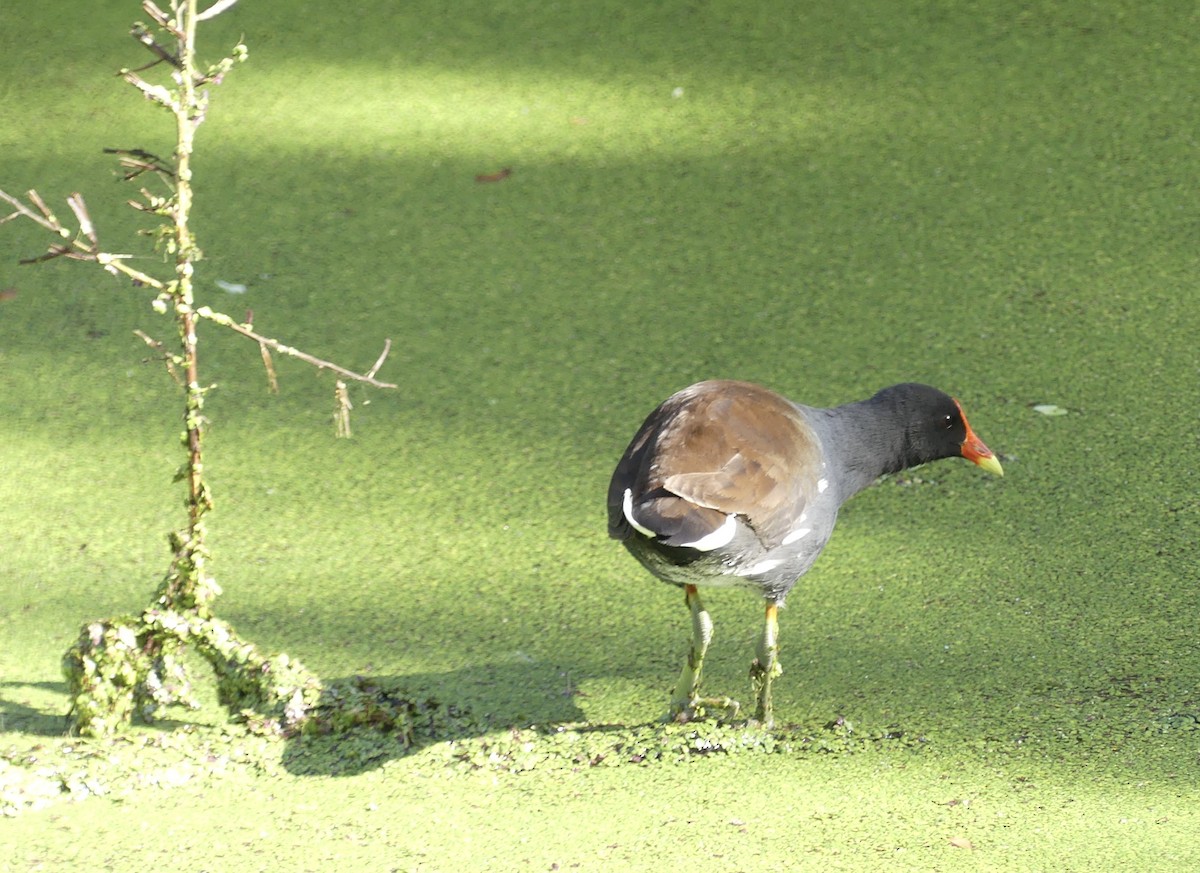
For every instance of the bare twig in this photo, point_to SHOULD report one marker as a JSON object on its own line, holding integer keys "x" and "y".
{"x": 136, "y": 168}
{"x": 22, "y": 211}
{"x": 75, "y": 201}
{"x": 272, "y": 380}
{"x": 76, "y": 249}
{"x": 144, "y": 36}
{"x": 341, "y": 413}
{"x": 47, "y": 219}
{"x": 139, "y": 161}
{"x": 51, "y": 220}
{"x": 116, "y": 264}
{"x": 161, "y": 19}
{"x": 164, "y": 355}
{"x": 156, "y": 93}
{"x": 225, "y": 321}
{"x": 387, "y": 347}
{"x": 49, "y": 255}
{"x": 215, "y": 10}
{"x": 268, "y": 362}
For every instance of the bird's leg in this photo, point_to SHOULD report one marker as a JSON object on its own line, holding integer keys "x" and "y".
{"x": 766, "y": 666}
{"x": 688, "y": 688}
{"x": 687, "y": 698}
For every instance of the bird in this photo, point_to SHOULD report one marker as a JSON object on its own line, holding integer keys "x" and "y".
{"x": 730, "y": 484}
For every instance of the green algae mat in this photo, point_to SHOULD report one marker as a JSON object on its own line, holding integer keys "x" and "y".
{"x": 561, "y": 213}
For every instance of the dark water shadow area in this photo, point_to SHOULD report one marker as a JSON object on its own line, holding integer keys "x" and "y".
{"x": 20, "y": 717}
{"x": 363, "y": 721}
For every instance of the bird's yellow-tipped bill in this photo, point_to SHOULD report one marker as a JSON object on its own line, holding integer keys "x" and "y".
{"x": 977, "y": 453}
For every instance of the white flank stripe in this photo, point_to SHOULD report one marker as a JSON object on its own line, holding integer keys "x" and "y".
{"x": 627, "y": 508}
{"x": 822, "y": 484}
{"x": 797, "y": 534}
{"x": 761, "y": 567}
{"x": 719, "y": 537}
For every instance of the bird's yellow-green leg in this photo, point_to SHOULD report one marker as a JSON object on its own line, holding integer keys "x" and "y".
{"x": 766, "y": 666}
{"x": 686, "y": 698}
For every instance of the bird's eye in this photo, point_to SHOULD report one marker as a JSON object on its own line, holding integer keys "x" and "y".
{"x": 948, "y": 422}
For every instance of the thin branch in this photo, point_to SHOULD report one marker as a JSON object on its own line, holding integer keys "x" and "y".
{"x": 341, "y": 414}
{"x": 49, "y": 255}
{"x": 139, "y": 161}
{"x": 84, "y": 253}
{"x": 47, "y": 219}
{"x": 116, "y": 264}
{"x": 147, "y": 39}
{"x": 142, "y": 68}
{"x": 273, "y": 383}
{"x": 161, "y": 19}
{"x": 51, "y": 219}
{"x": 75, "y": 201}
{"x": 76, "y": 249}
{"x": 225, "y": 321}
{"x": 163, "y": 353}
{"x": 136, "y": 168}
{"x": 215, "y": 10}
{"x": 156, "y": 93}
{"x": 269, "y": 365}
{"x": 387, "y": 347}
{"x": 22, "y": 210}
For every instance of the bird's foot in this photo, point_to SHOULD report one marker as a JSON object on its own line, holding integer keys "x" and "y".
{"x": 760, "y": 675}
{"x": 724, "y": 709}
{"x": 760, "y": 679}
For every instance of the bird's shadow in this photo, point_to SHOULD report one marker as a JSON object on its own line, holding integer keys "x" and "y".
{"x": 362, "y": 722}
{"x": 527, "y": 719}
{"x": 509, "y": 717}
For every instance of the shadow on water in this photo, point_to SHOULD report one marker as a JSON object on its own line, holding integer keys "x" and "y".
{"x": 497, "y": 718}
{"x": 365, "y": 721}
{"x": 21, "y": 717}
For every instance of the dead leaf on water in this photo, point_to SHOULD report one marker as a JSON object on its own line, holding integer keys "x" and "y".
{"x": 961, "y": 843}
{"x": 494, "y": 177}
{"x": 1048, "y": 409}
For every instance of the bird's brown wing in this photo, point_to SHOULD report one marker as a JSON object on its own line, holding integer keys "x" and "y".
{"x": 717, "y": 449}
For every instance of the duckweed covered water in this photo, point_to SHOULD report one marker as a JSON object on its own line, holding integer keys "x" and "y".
{"x": 993, "y": 198}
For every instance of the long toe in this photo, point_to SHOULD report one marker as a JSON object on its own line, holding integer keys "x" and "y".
{"x": 721, "y": 708}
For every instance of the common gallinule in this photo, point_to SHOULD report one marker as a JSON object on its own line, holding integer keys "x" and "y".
{"x": 730, "y": 484}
